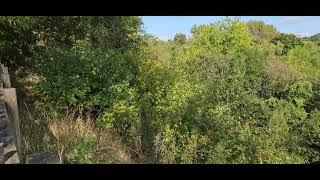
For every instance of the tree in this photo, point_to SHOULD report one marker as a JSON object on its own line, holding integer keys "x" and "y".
{"x": 93, "y": 59}
{"x": 180, "y": 38}
{"x": 289, "y": 41}
{"x": 228, "y": 95}
{"x": 315, "y": 38}
{"x": 17, "y": 41}
{"x": 261, "y": 31}
{"x": 23, "y": 37}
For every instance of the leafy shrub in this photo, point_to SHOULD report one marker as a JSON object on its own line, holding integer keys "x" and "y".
{"x": 123, "y": 116}
{"x": 81, "y": 79}
{"x": 81, "y": 154}
{"x": 289, "y": 41}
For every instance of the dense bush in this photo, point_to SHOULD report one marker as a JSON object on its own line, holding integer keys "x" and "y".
{"x": 289, "y": 41}
{"x": 83, "y": 77}
{"x": 230, "y": 101}
{"x": 223, "y": 96}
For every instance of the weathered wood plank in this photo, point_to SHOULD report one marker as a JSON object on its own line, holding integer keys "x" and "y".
{"x": 5, "y": 77}
{"x": 9, "y": 120}
{"x": 1, "y": 153}
{"x": 7, "y": 137}
{"x": 3, "y": 69}
{"x": 10, "y": 99}
{"x": 5, "y": 81}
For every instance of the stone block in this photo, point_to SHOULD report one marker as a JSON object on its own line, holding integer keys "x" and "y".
{"x": 43, "y": 158}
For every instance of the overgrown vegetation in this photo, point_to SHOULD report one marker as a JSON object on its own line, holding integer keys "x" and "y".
{"x": 100, "y": 90}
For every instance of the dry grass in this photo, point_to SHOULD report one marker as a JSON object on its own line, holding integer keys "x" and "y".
{"x": 69, "y": 132}
{"x": 46, "y": 131}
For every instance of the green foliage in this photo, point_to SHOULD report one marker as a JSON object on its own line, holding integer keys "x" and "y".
{"x": 78, "y": 71}
{"x": 314, "y": 134}
{"x": 82, "y": 77}
{"x": 235, "y": 92}
{"x": 315, "y": 38}
{"x": 23, "y": 37}
{"x": 16, "y": 41}
{"x": 289, "y": 41}
{"x": 123, "y": 115}
{"x": 313, "y": 137}
{"x": 306, "y": 59}
{"x": 180, "y": 38}
{"x": 222, "y": 37}
{"x": 81, "y": 153}
{"x": 261, "y": 31}
{"x": 215, "y": 111}
{"x": 300, "y": 92}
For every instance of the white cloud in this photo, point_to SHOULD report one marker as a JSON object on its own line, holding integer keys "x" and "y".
{"x": 291, "y": 20}
{"x": 302, "y": 34}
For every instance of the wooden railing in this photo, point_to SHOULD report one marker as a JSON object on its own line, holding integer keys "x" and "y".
{"x": 10, "y": 145}
{"x": 9, "y": 121}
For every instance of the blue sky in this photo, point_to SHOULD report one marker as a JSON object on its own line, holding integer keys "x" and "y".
{"x": 165, "y": 27}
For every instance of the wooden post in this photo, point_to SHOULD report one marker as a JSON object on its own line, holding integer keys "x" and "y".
{"x": 2, "y": 69}
{"x": 5, "y": 78}
{"x": 10, "y": 99}
{"x": 1, "y": 153}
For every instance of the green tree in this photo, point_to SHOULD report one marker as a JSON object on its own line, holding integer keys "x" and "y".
{"x": 289, "y": 41}
{"x": 180, "y": 38}
{"x": 76, "y": 68}
{"x": 261, "y": 31}
{"x": 17, "y": 41}
{"x": 23, "y": 37}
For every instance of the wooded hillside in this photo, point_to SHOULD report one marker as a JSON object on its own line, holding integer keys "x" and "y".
{"x": 101, "y": 90}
